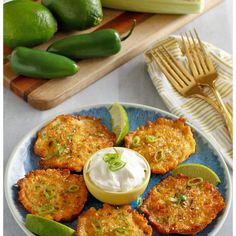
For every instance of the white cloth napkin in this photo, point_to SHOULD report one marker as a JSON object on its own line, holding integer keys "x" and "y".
{"x": 195, "y": 110}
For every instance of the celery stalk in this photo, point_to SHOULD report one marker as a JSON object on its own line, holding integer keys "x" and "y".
{"x": 157, "y": 6}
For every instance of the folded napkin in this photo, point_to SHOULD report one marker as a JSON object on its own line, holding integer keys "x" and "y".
{"x": 195, "y": 110}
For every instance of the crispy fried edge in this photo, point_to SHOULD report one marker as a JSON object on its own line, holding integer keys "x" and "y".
{"x": 46, "y": 164}
{"x": 59, "y": 216}
{"x": 194, "y": 230}
{"x": 138, "y": 218}
{"x": 179, "y": 123}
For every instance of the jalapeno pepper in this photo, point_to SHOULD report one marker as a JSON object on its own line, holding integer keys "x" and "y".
{"x": 100, "y": 43}
{"x": 41, "y": 64}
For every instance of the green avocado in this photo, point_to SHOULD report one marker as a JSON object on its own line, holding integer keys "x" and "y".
{"x": 75, "y": 14}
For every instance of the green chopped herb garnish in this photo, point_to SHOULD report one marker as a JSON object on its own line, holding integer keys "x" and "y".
{"x": 159, "y": 155}
{"x": 44, "y": 136}
{"x": 114, "y": 161}
{"x": 116, "y": 165}
{"x": 73, "y": 188}
{"x": 70, "y": 137}
{"x": 45, "y": 209}
{"x": 97, "y": 226}
{"x": 56, "y": 126}
{"x": 179, "y": 200}
{"x": 182, "y": 198}
{"x": 139, "y": 202}
{"x": 59, "y": 150}
{"x": 121, "y": 231}
{"x": 49, "y": 192}
{"x": 110, "y": 157}
{"x": 195, "y": 181}
{"x": 136, "y": 141}
{"x": 151, "y": 138}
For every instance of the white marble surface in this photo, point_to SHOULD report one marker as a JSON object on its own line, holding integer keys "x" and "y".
{"x": 129, "y": 83}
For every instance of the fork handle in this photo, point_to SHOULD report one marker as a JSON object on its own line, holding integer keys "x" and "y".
{"x": 225, "y": 113}
{"x": 210, "y": 101}
{"x": 228, "y": 120}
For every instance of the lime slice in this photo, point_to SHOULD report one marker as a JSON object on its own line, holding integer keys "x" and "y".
{"x": 119, "y": 122}
{"x": 197, "y": 170}
{"x": 44, "y": 227}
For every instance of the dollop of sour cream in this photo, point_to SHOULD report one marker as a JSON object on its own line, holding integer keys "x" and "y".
{"x": 122, "y": 180}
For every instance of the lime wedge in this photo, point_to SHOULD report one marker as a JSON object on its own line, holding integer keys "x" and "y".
{"x": 197, "y": 170}
{"x": 119, "y": 121}
{"x": 44, "y": 227}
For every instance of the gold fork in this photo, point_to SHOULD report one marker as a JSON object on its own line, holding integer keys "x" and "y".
{"x": 204, "y": 72}
{"x": 178, "y": 76}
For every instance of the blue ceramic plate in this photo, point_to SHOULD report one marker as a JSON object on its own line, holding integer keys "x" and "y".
{"x": 23, "y": 160}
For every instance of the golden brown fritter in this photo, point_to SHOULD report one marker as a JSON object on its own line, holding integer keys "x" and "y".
{"x": 53, "y": 194}
{"x": 175, "y": 205}
{"x": 113, "y": 221}
{"x": 68, "y": 141}
{"x": 164, "y": 143}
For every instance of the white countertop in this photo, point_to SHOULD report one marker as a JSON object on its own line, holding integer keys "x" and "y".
{"x": 128, "y": 83}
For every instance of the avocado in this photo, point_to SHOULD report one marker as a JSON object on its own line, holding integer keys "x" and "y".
{"x": 75, "y": 14}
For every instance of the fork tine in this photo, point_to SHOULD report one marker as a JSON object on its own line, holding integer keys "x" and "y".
{"x": 199, "y": 54}
{"x": 194, "y": 55}
{"x": 176, "y": 85}
{"x": 178, "y": 67}
{"x": 170, "y": 69}
{"x": 207, "y": 58}
{"x": 190, "y": 60}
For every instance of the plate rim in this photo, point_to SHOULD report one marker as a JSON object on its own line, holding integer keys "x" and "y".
{"x": 97, "y": 105}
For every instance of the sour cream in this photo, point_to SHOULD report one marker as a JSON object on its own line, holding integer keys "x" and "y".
{"x": 122, "y": 180}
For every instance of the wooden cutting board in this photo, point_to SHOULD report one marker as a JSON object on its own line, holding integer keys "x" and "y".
{"x": 45, "y": 94}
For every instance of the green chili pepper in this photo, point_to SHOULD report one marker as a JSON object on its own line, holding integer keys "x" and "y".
{"x": 41, "y": 64}
{"x": 100, "y": 43}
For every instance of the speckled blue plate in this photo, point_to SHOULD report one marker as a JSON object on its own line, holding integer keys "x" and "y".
{"x": 23, "y": 160}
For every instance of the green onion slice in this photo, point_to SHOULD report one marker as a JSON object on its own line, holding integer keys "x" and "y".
{"x": 96, "y": 224}
{"x": 114, "y": 161}
{"x": 59, "y": 150}
{"x": 179, "y": 200}
{"x": 110, "y": 157}
{"x": 182, "y": 198}
{"x": 195, "y": 181}
{"x": 151, "y": 139}
{"x": 122, "y": 220}
{"x": 49, "y": 192}
{"x": 116, "y": 165}
{"x": 159, "y": 155}
{"x": 121, "y": 231}
{"x": 45, "y": 209}
{"x": 70, "y": 137}
{"x": 73, "y": 188}
{"x": 139, "y": 202}
{"x": 44, "y": 135}
{"x": 56, "y": 126}
{"x": 136, "y": 141}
